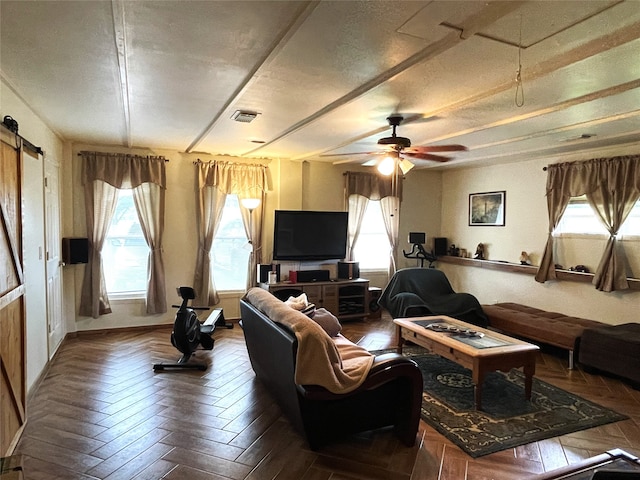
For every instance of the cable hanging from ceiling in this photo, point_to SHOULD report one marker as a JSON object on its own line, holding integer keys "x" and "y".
{"x": 519, "y": 97}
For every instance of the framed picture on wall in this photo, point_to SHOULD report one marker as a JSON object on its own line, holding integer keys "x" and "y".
{"x": 487, "y": 209}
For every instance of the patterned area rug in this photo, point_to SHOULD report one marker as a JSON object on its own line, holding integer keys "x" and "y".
{"x": 507, "y": 418}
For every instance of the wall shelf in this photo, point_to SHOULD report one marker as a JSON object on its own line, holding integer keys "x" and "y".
{"x": 567, "y": 275}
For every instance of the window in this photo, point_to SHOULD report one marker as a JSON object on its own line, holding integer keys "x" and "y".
{"x": 579, "y": 218}
{"x": 230, "y": 250}
{"x": 372, "y": 247}
{"x": 125, "y": 251}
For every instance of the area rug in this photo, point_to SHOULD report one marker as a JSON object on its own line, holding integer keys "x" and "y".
{"x": 507, "y": 418}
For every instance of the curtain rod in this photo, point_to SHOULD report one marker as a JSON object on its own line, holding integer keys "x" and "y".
{"x": 166, "y": 160}
{"x": 227, "y": 162}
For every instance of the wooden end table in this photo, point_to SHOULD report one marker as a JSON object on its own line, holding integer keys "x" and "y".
{"x": 488, "y": 352}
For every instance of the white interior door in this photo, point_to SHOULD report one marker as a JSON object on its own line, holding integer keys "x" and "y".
{"x": 53, "y": 246}
{"x": 33, "y": 251}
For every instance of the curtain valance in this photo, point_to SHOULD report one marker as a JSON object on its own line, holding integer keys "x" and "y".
{"x": 371, "y": 186}
{"x": 579, "y": 178}
{"x": 123, "y": 170}
{"x": 243, "y": 179}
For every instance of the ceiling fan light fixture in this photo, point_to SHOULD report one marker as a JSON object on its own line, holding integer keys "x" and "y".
{"x": 387, "y": 166}
{"x": 405, "y": 165}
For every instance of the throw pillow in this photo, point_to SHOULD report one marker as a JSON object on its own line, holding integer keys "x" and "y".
{"x": 298, "y": 303}
{"x": 327, "y": 321}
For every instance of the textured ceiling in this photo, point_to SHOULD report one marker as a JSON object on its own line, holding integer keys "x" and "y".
{"x": 324, "y": 76}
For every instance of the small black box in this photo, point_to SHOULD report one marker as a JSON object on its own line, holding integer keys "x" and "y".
{"x": 440, "y": 246}
{"x": 265, "y": 268}
{"x": 348, "y": 270}
{"x": 313, "y": 276}
{"x": 417, "y": 237}
{"x": 75, "y": 250}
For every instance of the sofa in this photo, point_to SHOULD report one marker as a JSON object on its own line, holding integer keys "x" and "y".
{"x": 326, "y": 385}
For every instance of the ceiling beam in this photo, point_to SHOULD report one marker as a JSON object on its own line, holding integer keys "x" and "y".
{"x": 301, "y": 15}
{"x": 120, "y": 34}
{"x": 494, "y": 11}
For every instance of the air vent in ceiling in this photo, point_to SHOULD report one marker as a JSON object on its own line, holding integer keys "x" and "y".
{"x": 244, "y": 116}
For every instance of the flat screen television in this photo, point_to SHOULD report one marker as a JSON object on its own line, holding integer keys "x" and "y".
{"x": 309, "y": 235}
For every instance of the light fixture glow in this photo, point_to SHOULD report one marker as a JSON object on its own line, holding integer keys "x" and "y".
{"x": 250, "y": 203}
{"x": 405, "y": 166}
{"x": 387, "y": 166}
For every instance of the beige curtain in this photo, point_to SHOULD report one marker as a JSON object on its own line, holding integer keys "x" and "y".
{"x": 390, "y": 214}
{"x": 100, "y": 204}
{"x": 246, "y": 181}
{"x": 102, "y": 175}
{"x": 149, "y": 201}
{"x": 357, "y": 207}
{"x": 371, "y": 186}
{"x": 252, "y": 221}
{"x": 613, "y": 202}
{"x": 210, "y": 206}
{"x": 612, "y": 187}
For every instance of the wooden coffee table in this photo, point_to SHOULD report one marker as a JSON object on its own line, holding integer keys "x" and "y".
{"x": 487, "y": 352}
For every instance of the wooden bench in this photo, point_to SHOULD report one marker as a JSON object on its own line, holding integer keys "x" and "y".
{"x": 531, "y": 323}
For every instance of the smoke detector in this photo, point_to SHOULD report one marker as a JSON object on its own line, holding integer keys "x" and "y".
{"x": 244, "y": 116}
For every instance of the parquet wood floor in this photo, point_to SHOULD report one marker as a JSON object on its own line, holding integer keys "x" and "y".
{"x": 100, "y": 412}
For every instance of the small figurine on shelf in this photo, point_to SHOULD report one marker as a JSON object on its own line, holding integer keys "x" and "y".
{"x": 479, "y": 252}
{"x": 524, "y": 258}
{"x": 579, "y": 268}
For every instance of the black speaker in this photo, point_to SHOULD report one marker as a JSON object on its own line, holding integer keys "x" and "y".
{"x": 348, "y": 270}
{"x": 313, "y": 276}
{"x": 375, "y": 310}
{"x": 265, "y": 268}
{"x": 440, "y": 246}
{"x": 417, "y": 237}
{"x": 75, "y": 250}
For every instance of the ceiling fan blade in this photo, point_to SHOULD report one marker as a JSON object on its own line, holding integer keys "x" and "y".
{"x": 426, "y": 156}
{"x": 350, "y": 153}
{"x": 437, "y": 148}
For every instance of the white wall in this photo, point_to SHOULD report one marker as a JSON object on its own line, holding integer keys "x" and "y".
{"x": 420, "y": 212}
{"x": 526, "y": 229}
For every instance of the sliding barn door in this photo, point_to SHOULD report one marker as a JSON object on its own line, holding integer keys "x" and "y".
{"x": 12, "y": 298}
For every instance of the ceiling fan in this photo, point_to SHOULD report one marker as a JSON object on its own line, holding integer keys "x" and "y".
{"x": 397, "y": 148}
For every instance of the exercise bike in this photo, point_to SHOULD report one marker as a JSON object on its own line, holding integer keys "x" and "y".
{"x": 189, "y": 332}
{"x": 418, "y": 252}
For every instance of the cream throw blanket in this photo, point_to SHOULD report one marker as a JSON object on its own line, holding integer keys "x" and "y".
{"x": 336, "y": 363}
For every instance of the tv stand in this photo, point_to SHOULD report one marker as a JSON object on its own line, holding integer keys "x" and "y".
{"x": 346, "y": 299}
